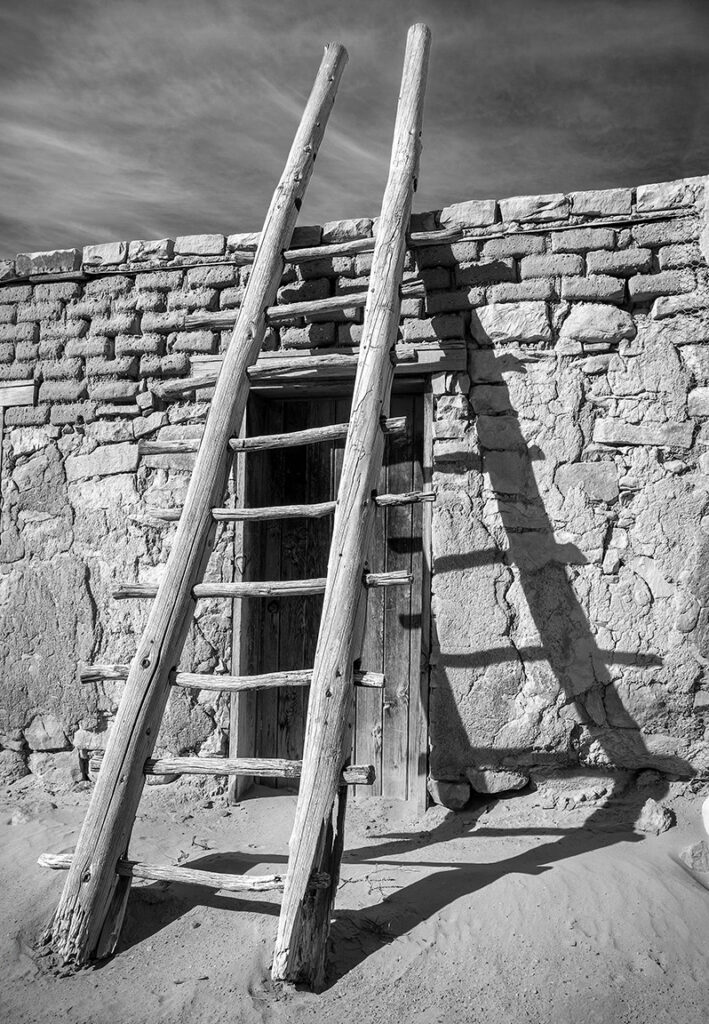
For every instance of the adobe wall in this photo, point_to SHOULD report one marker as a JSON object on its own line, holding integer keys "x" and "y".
{"x": 571, "y": 467}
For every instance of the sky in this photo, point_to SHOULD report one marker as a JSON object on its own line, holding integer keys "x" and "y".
{"x": 126, "y": 119}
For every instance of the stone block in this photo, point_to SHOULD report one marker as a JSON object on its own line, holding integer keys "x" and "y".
{"x": 117, "y": 323}
{"x": 13, "y": 766}
{"x": 7, "y": 270}
{"x": 305, "y": 291}
{"x": 62, "y": 369}
{"x": 148, "y": 424}
{"x": 176, "y": 364}
{"x": 490, "y": 399}
{"x": 331, "y": 267}
{"x": 590, "y": 322}
{"x": 453, "y": 795}
{"x": 596, "y": 288}
{"x": 524, "y": 322}
{"x": 509, "y": 472}
{"x": 485, "y": 272}
{"x": 87, "y": 309}
{"x": 535, "y": 208}
{"x": 599, "y": 480}
{"x": 305, "y": 236}
{"x": 149, "y": 250}
{"x": 56, "y": 291}
{"x": 7, "y": 351}
{"x": 582, "y": 240}
{"x": 113, "y": 391}
{"x": 18, "y": 332}
{"x": 123, "y": 366}
{"x": 87, "y": 347}
{"x": 613, "y": 431}
{"x": 151, "y": 302}
{"x": 16, "y": 293}
{"x": 46, "y": 732}
{"x": 654, "y": 818}
{"x": 104, "y": 461}
{"x": 448, "y": 255}
{"x": 696, "y": 856}
{"x": 666, "y": 232}
{"x": 25, "y": 351}
{"x": 62, "y": 391}
{"x": 139, "y": 344}
{"x": 106, "y": 254}
{"x": 644, "y": 287}
{"x": 54, "y": 261}
{"x": 449, "y": 326}
{"x": 218, "y": 276}
{"x": 486, "y": 780}
{"x": 162, "y": 323}
{"x": 26, "y": 416}
{"x": 450, "y": 302}
{"x": 669, "y": 195}
{"x": 312, "y": 336}
{"x": 606, "y": 202}
{"x": 199, "y": 245}
{"x": 535, "y": 289}
{"x": 243, "y": 241}
{"x": 231, "y": 298}
{"x": 500, "y": 433}
{"x": 623, "y": 263}
{"x": 194, "y": 341}
{"x": 159, "y": 280}
{"x": 475, "y": 213}
{"x": 517, "y": 245}
{"x": 683, "y": 254}
{"x": 551, "y": 265}
{"x": 112, "y": 285}
{"x": 28, "y": 311}
{"x": 74, "y": 412}
{"x": 346, "y": 230}
{"x": 698, "y": 402}
{"x": 193, "y": 298}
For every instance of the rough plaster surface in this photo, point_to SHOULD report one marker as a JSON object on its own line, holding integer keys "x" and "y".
{"x": 571, "y": 462}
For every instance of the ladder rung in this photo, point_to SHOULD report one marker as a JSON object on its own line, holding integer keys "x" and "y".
{"x": 262, "y": 767}
{"x": 186, "y": 876}
{"x": 270, "y": 588}
{"x": 313, "y": 435}
{"x": 292, "y": 310}
{"x": 313, "y": 511}
{"x": 231, "y": 684}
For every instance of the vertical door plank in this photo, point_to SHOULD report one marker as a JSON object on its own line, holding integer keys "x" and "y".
{"x": 368, "y": 705}
{"x": 270, "y": 550}
{"x": 420, "y": 605}
{"x": 397, "y": 610}
{"x": 292, "y": 618}
{"x": 319, "y": 487}
{"x": 242, "y": 706}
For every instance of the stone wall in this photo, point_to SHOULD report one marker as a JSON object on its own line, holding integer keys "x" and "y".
{"x": 571, "y": 465}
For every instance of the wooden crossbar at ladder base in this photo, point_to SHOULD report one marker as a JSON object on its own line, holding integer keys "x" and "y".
{"x": 88, "y": 919}
{"x": 317, "y": 837}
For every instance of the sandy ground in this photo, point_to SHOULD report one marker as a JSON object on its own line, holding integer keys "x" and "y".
{"x": 503, "y": 913}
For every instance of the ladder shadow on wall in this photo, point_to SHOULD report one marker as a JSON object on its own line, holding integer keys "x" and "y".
{"x": 539, "y": 565}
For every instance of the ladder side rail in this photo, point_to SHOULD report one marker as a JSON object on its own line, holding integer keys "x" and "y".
{"x": 304, "y": 922}
{"x": 87, "y": 921}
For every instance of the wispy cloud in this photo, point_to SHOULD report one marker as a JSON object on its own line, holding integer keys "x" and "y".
{"x": 139, "y": 119}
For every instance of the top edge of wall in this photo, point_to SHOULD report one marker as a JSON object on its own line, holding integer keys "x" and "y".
{"x": 476, "y": 217}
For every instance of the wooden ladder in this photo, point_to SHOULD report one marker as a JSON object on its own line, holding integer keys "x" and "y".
{"x": 87, "y": 922}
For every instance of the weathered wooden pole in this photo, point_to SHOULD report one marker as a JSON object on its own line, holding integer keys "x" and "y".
{"x": 87, "y": 921}
{"x": 316, "y": 840}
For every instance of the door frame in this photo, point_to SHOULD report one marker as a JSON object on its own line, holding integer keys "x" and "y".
{"x": 242, "y": 732}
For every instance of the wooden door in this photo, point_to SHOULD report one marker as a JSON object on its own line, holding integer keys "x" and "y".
{"x": 390, "y": 725}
